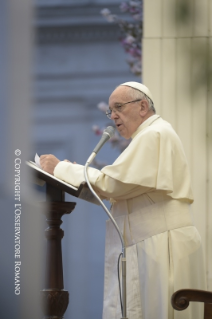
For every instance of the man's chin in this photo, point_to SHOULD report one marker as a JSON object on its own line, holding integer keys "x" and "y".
{"x": 124, "y": 134}
{"x": 120, "y": 130}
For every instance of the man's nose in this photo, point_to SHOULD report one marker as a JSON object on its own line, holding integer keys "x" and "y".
{"x": 114, "y": 115}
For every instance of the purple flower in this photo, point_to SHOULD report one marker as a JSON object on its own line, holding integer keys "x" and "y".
{"x": 124, "y": 7}
{"x": 135, "y": 52}
{"x": 108, "y": 16}
{"x": 134, "y": 4}
{"x": 136, "y": 68}
{"x": 105, "y": 12}
{"x": 137, "y": 16}
{"x": 97, "y": 130}
{"x": 129, "y": 39}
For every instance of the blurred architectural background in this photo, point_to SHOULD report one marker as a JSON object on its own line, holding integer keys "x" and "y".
{"x": 78, "y": 63}
{"x": 58, "y": 60}
{"x": 177, "y": 66}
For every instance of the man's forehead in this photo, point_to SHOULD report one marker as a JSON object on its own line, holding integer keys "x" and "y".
{"x": 119, "y": 94}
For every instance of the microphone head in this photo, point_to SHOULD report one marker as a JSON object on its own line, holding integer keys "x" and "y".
{"x": 110, "y": 130}
{"x": 107, "y": 134}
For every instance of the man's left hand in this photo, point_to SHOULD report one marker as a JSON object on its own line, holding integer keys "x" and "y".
{"x": 48, "y": 163}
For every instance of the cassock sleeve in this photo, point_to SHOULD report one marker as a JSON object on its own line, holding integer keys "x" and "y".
{"x": 134, "y": 172}
{"x": 105, "y": 186}
{"x": 153, "y": 161}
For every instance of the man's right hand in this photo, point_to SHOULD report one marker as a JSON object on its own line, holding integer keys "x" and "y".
{"x": 48, "y": 163}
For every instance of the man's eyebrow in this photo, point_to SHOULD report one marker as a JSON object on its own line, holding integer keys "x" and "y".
{"x": 116, "y": 104}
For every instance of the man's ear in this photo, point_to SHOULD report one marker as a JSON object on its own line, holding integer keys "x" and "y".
{"x": 144, "y": 108}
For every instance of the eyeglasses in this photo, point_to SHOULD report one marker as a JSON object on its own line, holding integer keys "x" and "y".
{"x": 118, "y": 108}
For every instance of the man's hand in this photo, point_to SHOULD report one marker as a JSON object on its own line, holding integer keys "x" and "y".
{"x": 48, "y": 163}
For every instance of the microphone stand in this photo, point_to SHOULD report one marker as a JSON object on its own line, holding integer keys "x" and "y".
{"x": 123, "y": 260}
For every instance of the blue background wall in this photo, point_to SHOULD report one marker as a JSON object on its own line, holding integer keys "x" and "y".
{"x": 75, "y": 62}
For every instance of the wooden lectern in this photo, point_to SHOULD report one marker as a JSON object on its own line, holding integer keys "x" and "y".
{"x": 54, "y": 298}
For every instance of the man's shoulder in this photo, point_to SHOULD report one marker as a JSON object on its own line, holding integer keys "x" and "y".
{"x": 159, "y": 126}
{"x": 159, "y": 129}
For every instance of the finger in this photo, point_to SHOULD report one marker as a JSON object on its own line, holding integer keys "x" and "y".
{"x": 43, "y": 156}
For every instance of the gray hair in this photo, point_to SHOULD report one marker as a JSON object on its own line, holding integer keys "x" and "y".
{"x": 136, "y": 94}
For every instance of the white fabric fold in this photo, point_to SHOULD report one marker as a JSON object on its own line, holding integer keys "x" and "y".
{"x": 154, "y": 159}
{"x": 149, "y": 186}
{"x": 159, "y": 261}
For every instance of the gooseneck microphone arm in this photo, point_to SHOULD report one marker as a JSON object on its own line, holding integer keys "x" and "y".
{"x": 107, "y": 134}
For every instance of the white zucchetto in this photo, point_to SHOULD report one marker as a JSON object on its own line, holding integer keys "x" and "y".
{"x": 140, "y": 87}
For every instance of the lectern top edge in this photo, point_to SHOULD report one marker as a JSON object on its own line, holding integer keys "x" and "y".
{"x": 82, "y": 192}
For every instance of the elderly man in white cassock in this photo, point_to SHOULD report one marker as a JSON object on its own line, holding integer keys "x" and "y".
{"x": 150, "y": 190}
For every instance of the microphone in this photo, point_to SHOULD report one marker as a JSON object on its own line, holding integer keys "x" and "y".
{"x": 107, "y": 134}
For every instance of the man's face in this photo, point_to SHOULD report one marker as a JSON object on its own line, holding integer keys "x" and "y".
{"x": 128, "y": 119}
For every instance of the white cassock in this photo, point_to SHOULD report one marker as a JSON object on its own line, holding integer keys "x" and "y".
{"x": 150, "y": 190}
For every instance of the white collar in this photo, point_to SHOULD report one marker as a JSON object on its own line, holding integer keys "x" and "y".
{"x": 146, "y": 123}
